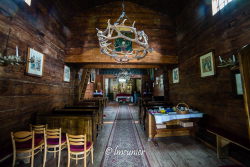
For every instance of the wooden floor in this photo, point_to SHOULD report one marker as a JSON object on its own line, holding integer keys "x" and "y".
{"x": 171, "y": 152}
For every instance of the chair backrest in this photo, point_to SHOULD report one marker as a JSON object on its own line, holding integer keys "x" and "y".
{"x": 76, "y": 140}
{"x": 54, "y": 134}
{"x": 22, "y": 136}
{"x": 38, "y": 129}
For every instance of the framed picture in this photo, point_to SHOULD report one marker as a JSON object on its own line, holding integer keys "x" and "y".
{"x": 237, "y": 83}
{"x": 207, "y": 65}
{"x": 92, "y": 76}
{"x": 176, "y": 78}
{"x": 35, "y": 63}
{"x": 66, "y": 77}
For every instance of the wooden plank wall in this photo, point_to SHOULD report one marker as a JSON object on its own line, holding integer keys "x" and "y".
{"x": 200, "y": 32}
{"x": 21, "y": 95}
{"x": 83, "y": 41}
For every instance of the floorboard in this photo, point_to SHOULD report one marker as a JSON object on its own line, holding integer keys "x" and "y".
{"x": 182, "y": 151}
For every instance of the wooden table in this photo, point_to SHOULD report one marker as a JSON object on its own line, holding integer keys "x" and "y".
{"x": 172, "y": 123}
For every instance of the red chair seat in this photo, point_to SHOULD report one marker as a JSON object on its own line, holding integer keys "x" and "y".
{"x": 28, "y": 144}
{"x": 79, "y": 148}
{"x": 56, "y": 141}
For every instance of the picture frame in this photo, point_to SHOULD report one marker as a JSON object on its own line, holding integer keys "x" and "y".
{"x": 66, "y": 76}
{"x": 237, "y": 83}
{"x": 176, "y": 77}
{"x": 207, "y": 66}
{"x": 35, "y": 62}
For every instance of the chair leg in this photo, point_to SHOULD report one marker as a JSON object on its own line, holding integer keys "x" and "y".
{"x": 54, "y": 152}
{"x": 32, "y": 158}
{"x": 59, "y": 157}
{"x": 85, "y": 159}
{"x": 44, "y": 156}
{"x": 68, "y": 159}
{"x": 14, "y": 159}
{"x": 92, "y": 155}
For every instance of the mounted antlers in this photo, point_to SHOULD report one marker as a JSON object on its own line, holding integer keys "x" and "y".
{"x": 106, "y": 41}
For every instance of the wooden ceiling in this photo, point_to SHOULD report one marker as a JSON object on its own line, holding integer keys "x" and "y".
{"x": 69, "y": 8}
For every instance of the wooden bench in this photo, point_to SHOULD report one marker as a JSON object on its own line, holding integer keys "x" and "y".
{"x": 83, "y": 123}
{"x": 223, "y": 139}
{"x": 88, "y": 108}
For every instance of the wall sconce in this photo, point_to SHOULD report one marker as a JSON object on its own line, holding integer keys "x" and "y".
{"x": 230, "y": 62}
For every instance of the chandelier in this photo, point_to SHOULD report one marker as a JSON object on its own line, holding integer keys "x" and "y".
{"x": 123, "y": 42}
{"x": 124, "y": 74}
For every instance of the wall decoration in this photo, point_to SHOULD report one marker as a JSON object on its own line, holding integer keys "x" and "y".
{"x": 176, "y": 78}
{"x": 35, "y": 62}
{"x": 66, "y": 73}
{"x": 92, "y": 76}
{"x": 207, "y": 65}
{"x": 238, "y": 84}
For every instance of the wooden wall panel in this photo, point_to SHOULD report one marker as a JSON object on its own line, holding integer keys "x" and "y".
{"x": 200, "y": 32}
{"x": 83, "y": 42}
{"x": 22, "y": 95}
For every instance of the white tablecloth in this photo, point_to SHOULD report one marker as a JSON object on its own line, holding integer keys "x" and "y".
{"x": 161, "y": 118}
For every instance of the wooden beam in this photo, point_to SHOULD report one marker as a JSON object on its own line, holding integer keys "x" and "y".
{"x": 94, "y": 56}
{"x": 108, "y": 66}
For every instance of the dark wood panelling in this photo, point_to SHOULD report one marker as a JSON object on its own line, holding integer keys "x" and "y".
{"x": 22, "y": 96}
{"x": 83, "y": 43}
{"x": 200, "y": 32}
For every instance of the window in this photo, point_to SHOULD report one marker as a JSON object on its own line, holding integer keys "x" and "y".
{"x": 217, "y": 5}
{"x": 28, "y": 2}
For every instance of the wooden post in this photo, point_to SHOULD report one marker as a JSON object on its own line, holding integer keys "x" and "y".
{"x": 244, "y": 59}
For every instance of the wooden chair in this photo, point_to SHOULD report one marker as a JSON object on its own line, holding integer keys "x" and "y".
{"x": 55, "y": 142}
{"x": 79, "y": 148}
{"x": 39, "y": 131}
{"x": 24, "y": 142}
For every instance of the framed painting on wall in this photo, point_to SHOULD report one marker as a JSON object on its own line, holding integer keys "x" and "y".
{"x": 237, "y": 83}
{"x": 35, "y": 63}
{"x": 176, "y": 78}
{"x": 207, "y": 65}
{"x": 66, "y": 74}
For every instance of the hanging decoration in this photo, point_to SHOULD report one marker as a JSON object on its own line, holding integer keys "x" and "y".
{"x": 123, "y": 42}
{"x": 124, "y": 74}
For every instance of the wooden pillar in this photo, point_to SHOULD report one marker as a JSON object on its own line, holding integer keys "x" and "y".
{"x": 244, "y": 57}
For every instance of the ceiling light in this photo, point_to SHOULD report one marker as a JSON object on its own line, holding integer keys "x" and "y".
{"x": 123, "y": 42}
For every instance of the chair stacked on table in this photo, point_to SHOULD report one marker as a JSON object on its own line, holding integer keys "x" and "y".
{"x": 42, "y": 139}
